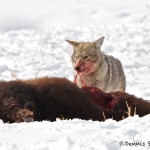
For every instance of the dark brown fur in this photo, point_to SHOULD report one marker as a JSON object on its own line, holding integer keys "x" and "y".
{"x": 137, "y": 105}
{"x": 16, "y": 102}
{"x": 58, "y": 97}
{"x": 50, "y": 98}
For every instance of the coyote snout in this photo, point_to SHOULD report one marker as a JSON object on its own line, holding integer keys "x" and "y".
{"x": 79, "y": 66}
{"x": 84, "y": 67}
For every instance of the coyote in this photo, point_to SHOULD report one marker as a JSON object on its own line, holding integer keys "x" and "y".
{"x": 95, "y": 68}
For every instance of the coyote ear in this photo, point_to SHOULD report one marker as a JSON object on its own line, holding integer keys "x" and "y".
{"x": 73, "y": 43}
{"x": 99, "y": 42}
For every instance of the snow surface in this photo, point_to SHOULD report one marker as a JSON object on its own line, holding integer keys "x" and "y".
{"x": 32, "y": 44}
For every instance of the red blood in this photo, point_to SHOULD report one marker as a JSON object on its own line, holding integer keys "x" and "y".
{"x": 106, "y": 101}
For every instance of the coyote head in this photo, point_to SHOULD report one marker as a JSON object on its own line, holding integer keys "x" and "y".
{"x": 87, "y": 56}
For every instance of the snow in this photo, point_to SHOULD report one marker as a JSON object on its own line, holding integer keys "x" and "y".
{"x": 75, "y": 134}
{"x": 32, "y": 44}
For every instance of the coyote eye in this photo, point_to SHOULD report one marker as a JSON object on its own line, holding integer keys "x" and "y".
{"x": 85, "y": 57}
{"x": 76, "y": 57}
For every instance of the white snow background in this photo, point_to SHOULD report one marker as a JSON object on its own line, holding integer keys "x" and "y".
{"x": 32, "y": 44}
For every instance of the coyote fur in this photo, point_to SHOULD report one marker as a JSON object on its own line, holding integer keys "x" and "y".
{"x": 96, "y": 68}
